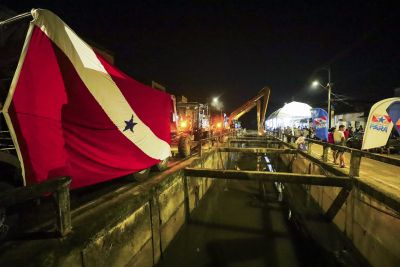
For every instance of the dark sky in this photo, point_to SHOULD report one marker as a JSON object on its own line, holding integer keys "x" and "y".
{"x": 234, "y": 48}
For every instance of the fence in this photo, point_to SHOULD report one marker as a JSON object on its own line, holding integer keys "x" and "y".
{"x": 355, "y": 154}
{"x": 59, "y": 187}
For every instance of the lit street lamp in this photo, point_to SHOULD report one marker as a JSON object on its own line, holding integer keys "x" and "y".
{"x": 217, "y": 104}
{"x": 328, "y": 87}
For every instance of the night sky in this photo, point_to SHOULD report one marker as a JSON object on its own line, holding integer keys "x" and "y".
{"x": 232, "y": 49}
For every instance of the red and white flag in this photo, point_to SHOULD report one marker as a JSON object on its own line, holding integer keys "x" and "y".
{"x": 71, "y": 113}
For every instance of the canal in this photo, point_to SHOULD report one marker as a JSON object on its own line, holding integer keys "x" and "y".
{"x": 232, "y": 223}
{"x": 237, "y": 225}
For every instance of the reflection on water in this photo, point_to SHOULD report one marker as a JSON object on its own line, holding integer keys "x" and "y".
{"x": 249, "y": 162}
{"x": 253, "y": 162}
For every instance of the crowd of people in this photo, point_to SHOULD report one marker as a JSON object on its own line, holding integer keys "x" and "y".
{"x": 337, "y": 136}
{"x": 299, "y": 131}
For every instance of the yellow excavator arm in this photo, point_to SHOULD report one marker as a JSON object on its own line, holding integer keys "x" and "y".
{"x": 263, "y": 96}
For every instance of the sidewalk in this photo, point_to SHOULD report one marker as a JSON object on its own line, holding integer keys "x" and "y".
{"x": 384, "y": 176}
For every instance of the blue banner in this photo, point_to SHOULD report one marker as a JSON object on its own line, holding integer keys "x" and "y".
{"x": 394, "y": 113}
{"x": 320, "y": 123}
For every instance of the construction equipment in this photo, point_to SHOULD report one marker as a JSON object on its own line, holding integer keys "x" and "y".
{"x": 263, "y": 95}
{"x": 193, "y": 124}
{"x": 217, "y": 122}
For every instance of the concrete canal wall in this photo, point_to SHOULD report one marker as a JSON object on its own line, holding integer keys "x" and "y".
{"x": 130, "y": 228}
{"x": 372, "y": 227}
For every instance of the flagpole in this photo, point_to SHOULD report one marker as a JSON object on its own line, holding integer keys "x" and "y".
{"x": 16, "y": 18}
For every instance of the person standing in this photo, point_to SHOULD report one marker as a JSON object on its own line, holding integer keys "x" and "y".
{"x": 301, "y": 142}
{"x": 306, "y": 132}
{"x": 296, "y": 131}
{"x": 339, "y": 138}
{"x": 331, "y": 141}
{"x": 351, "y": 132}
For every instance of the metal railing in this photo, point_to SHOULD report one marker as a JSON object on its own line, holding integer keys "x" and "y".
{"x": 355, "y": 154}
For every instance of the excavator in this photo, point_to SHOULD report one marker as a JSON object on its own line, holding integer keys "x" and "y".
{"x": 263, "y": 96}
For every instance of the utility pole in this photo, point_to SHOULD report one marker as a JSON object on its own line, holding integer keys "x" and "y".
{"x": 329, "y": 97}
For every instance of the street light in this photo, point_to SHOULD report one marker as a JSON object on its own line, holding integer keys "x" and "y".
{"x": 315, "y": 84}
{"x": 328, "y": 87}
{"x": 218, "y": 105}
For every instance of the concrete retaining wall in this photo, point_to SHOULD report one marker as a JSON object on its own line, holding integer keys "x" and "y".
{"x": 369, "y": 224}
{"x": 133, "y": 228}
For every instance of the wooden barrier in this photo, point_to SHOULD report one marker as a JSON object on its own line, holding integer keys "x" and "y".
{"x": 282, "y": 177}
{"x": 58, "y": 186}
{"x": 257, "y": 150}
{"x": 336, "y": 181}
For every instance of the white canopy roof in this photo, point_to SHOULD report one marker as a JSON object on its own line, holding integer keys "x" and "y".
{"x": 292, "y": 110}
{"x": 285, "y": 116}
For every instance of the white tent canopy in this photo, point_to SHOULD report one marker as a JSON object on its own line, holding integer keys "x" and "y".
{"x": 289, "y": 115}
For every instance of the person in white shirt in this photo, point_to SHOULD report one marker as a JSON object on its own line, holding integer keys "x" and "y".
{"x": 339, "y": 139}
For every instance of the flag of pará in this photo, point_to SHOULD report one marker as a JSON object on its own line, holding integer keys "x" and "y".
{"x": 319, "y": 117}
{"x": 71, "y": 113}
{"x": 380, "y": 123}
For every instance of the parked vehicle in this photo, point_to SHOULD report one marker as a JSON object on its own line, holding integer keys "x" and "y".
{"x": 393, "y": 144}
{"x": 355, "y": 141}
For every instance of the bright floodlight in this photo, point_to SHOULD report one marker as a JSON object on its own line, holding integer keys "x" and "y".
{"x": 315, "y": 84}
{"x": 215, "y": 99}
